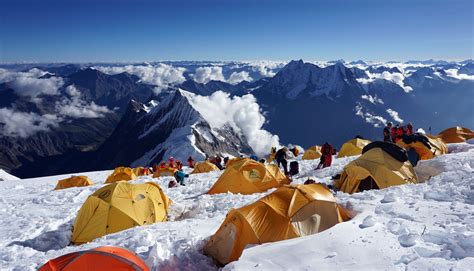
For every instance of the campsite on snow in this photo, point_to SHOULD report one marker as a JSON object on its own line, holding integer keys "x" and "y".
{"x": 165, "y": 135}
{"x": 414, "y": 213}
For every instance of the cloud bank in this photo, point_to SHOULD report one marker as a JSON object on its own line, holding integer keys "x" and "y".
{"x": 21, "y": 124}
{"x": 30, "y": 84}
{"x": 161, "y": 75}
{"x": 242, "y": 113}
{"x": 204, "y": 75}
{"x": 75, "y": 107}
{"x": 394, "y": 115}
{"x": 395, "y": 77}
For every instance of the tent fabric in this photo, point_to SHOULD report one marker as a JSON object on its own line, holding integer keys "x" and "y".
{"x": 394, "y": 150}
{"x": 203, "y": 167}
{"x": 97, "y": 259}
{"x": 246, "y": 176}
{"x": 167, "y": 171}
{"x": 288, "y": 212}
{"x": 119, "y": 206}
{"x": 379, "y": 166}
{"x": 73, "y": 181}
{"x": 456, "y": 135}
{"x": 139, "y": 171}
{"x": 121, "y": 174}
{"x": 427, "y": 148}
{"x": 311, "y": 153}
{"x": 352, "y": 147}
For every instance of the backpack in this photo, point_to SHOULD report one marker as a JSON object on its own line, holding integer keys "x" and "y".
{"x": 294, "y": 168}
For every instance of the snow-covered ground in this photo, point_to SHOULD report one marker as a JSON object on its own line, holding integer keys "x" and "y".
{"x": 415, "y": 227}
{"x": 4, "y": 176}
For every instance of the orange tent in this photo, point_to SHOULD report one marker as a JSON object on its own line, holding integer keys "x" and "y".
{"x": 456, "y": 134}
{"x": 101, "y": 258}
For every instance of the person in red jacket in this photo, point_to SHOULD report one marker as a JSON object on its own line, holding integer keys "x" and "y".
{"x": 179, "y": 165}
{"x": 191, "y": 162}
{"x": 326, "y": 157}
{"x": 400, "y": 132}
{"x": 409, "y": 129}
{"x": 394, "y": 133}
{"x": 171, "y": 162}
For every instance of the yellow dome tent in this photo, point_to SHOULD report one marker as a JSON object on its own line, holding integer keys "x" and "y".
{"x": 167, "y": 171}
{"x": 375, "y": 169}
{"x": 456, "y": 134}
{"x": 352, "y": 147}
{"x": 203, "y": 167}
{"x": 119, "y": 206}
{"x": 289, "y": 212}
{"x": 246, "y": 176}
{"x": 436, "y": 147}
{"x": 140, "y": 171}
{"x": 311, "y": 153}
{"x": 73, "y": 181}
{"x": 121, "y": 174}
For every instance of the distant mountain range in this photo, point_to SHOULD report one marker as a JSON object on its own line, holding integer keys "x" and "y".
{"x": 98, "y": 116}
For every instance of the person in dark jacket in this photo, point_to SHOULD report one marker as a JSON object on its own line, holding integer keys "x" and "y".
{"x": 326, "y": 157}
{"x": 280, "y": 157}
{"x": 387, "y": 132}
{"x": 191, "y": 162}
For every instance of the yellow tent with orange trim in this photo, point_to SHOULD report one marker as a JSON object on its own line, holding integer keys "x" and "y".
{"x": 375, "y": 169}
{"x": 312, "y": 153}
{"x": 166, "y": 171}
{"x": 433, "y": 148}
{"x": 456, "y": 134}
{"x": 246, "y": 176}
{"x": 121, "y": 174}
{"x": 73, "y": 181}
{"x": 117, "y": 207}
{"x": 288, "y": 212}
{"x": 352, "y": 147}
{"x": 203, "y": 167}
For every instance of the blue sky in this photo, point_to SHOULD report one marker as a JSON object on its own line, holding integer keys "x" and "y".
{"x": 81, "y": 31}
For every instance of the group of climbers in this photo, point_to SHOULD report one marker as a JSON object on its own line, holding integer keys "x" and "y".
{"x": 395, "y": 133}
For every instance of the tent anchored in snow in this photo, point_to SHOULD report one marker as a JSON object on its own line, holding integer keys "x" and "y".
{"x": 101, "y": 258}
{"x": 203, "y": 167}
{"x": 456, "y": 134}
{"x": 246, "y": 176}
{"x": 353, "y": 147}
{"x": 427, "y": 147}
{"x": 312, "y": 153}
{"x": 166, "y": 171}
{"x": 289, "y": 212}
{"x": 73, "y": 181}
{"x": 121, "y": 174}
{"x": 119, "y": 206}
{"x": 381, "y": 165}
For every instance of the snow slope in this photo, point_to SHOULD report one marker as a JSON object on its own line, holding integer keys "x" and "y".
{"x": 4, "y": 176}
{"x": 414, "y": 227}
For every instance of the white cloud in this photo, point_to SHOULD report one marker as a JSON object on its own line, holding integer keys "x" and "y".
{"x": 237, "y": 77}
{"x": 394, "y": 115}
{"x": 74, "y": 107}
{"x": 372, "y": 99}
{"x": 161, "y": 75}
{"x": 205, "y": 74}
{"x": 377, "y": 121}
{"x": 21, "y": 124}
{"x": 460, "y": 76}
{"x": 395, "y": 77}
{"x": 28, "y": 83}
{"x": 266, "y": 68}
{"x": 243, "y": 113}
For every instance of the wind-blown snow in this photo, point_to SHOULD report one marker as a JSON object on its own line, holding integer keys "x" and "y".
{"x": 242, "y": 113}
{"x": 424, "y": 226}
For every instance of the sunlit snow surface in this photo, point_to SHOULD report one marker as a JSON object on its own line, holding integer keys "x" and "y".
{"x": 415, "y": 227}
